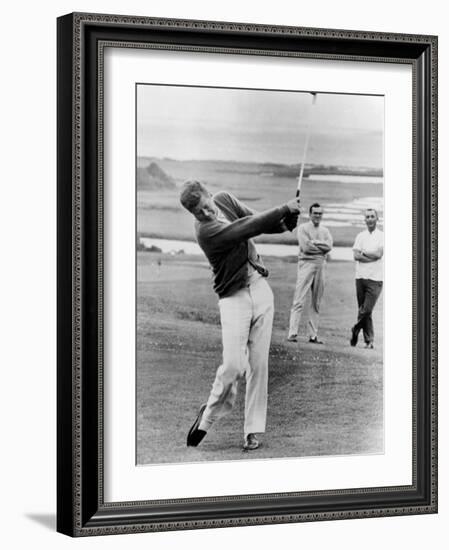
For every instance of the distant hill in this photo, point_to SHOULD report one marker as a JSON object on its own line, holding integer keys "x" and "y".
{"x": 152, "y": 177}
{"x": 259, "y": 168}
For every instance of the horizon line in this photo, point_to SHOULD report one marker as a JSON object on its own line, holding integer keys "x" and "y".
{"x": 363, "y": 167}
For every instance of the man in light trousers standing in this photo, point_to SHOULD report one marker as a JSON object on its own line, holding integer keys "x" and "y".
{"x": 315, "y": 241}
{"x": 224, "y": 229}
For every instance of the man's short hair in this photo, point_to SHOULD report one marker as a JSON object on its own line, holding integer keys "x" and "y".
{"x": 372, "y": 210}
{"x": 314, "y": 205}
{"x": 191, "y": 193}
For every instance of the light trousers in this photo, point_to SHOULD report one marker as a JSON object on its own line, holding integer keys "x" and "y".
{"x": 246, "y": 325}
{"x": 310, "y": 276}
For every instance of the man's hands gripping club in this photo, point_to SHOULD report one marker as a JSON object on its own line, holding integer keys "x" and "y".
{"x": 294, "y": 205}
{"x": 291, "y": 220}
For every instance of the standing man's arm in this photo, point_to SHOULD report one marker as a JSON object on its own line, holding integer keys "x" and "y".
{"x": 305, "y": 242}
{"x": 325, "y": 245}
{"x": 360, "y": 256}
{"x": 366, "y": 257}
{"x": 357, "y": 250}
{"x": 376, "y": 255}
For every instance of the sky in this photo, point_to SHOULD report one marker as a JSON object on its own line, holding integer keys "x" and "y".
{"x": 188, "y": 123}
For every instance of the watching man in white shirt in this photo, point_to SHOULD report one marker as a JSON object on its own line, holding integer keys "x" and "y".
{"x": 368, "y": 252}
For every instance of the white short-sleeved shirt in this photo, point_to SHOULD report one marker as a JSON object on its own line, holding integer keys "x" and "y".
{"x": 369, "y": 242}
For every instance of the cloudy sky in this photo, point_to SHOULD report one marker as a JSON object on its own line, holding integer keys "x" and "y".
{"x": 258, "y": 125}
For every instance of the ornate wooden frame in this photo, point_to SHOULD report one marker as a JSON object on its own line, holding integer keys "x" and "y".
{"x": 81, "y": 507}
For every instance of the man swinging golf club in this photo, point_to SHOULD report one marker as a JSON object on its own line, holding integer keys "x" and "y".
{"x": 224, "y": 229}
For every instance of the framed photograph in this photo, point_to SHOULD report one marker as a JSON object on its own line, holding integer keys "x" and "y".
{"x": 247, "y": 276}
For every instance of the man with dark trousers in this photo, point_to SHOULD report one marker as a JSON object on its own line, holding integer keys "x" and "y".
{"x": 368, "y": 252}
{"x": 224, "y": 230}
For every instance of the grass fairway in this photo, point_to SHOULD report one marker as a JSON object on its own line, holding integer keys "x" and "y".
{"x": 323, "y": 400}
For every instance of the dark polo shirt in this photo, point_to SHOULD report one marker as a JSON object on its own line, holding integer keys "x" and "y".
{"x": 228, "y": 245}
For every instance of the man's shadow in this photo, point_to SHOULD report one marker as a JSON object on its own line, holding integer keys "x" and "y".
{"x": 47, "y": 520}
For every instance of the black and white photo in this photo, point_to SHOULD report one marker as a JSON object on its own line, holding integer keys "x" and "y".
{"x": 246, "y": 274}
{"x": 251, "y": 208}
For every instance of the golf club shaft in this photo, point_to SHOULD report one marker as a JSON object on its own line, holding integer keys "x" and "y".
{"x": 306, "y": 145}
